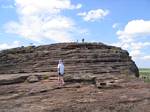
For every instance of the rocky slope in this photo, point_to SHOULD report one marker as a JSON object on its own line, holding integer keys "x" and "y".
{"x": 98, "y": 78}
{"x": 95, "y": 58}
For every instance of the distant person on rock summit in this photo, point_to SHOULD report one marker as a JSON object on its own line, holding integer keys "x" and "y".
{"x": 60, "y": 70}
{"x": 82, "y": 40}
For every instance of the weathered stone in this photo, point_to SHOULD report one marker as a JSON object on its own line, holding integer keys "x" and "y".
{"x": 75, "y": 97}
{"x": 88, "y": 67}
{"x": 80, "y": 78}
{"x": 32, "y": 79}
{"x": 12, "y": 79}
{"x": 6, "y": 79}
{"x": 79, "y": 58}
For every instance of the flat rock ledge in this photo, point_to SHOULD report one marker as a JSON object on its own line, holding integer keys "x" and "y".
{"x": 79, "y": 94}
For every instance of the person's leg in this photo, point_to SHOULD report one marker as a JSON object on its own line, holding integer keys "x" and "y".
{"x": 62, "y": 80}
{"x": 59, "y": 80}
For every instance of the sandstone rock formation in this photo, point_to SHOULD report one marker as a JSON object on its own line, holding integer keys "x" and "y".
{"x": 129, "y": 95}
{"x": 98, "y": 78}
{"x": 79, "y": 58}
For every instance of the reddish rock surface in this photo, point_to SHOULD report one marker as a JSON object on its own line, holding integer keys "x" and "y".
{"x": 79, "y": 58}
{"x": 129, "y": 95}
{"x": 98, "y": 78}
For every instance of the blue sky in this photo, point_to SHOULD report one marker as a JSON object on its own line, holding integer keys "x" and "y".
{"x": 123, "y": 23}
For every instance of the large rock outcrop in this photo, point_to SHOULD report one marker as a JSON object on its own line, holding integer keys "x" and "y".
{"x": 79, "y": 58}
{"x": 98, "y": 78}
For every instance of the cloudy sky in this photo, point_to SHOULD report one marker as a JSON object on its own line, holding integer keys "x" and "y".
{"x": 123, "y": 23}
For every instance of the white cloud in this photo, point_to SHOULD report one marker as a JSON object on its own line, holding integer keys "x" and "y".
{"x": 147, "y": 58}
{"x": 135, "y": 48}
{"x": 130, "y": 38}
{"x": 78, "y": 6}
{"x": 7, "y": 46}
{"x": 57, "y": 29}
{"x": 30, "y": 7}
{"x": 135, "y": 28}
{"x": 115, "y": 25}
{"x": 94, "y": 15}
{"x": 135, "y": 54}
{"x": 39, "y": 20}
{"x": 139, "y": 45}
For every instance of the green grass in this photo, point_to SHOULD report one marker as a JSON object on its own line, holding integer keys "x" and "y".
{"x": 145, "y": 74}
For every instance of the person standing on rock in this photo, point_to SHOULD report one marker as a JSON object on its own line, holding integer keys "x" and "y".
{"x": 82, "y": 40}
{"x": 60, "y": 70}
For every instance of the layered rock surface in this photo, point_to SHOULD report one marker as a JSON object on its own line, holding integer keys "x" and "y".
{"x": 129, "y": 95}
{"x": 98, "y": 78}
{"x": 79, "y": 58}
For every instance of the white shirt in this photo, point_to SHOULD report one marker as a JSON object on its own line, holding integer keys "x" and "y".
{"x": 61, "y": 68}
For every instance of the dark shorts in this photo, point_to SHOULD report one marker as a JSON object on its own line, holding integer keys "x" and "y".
{"x": 60, "y": 74}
